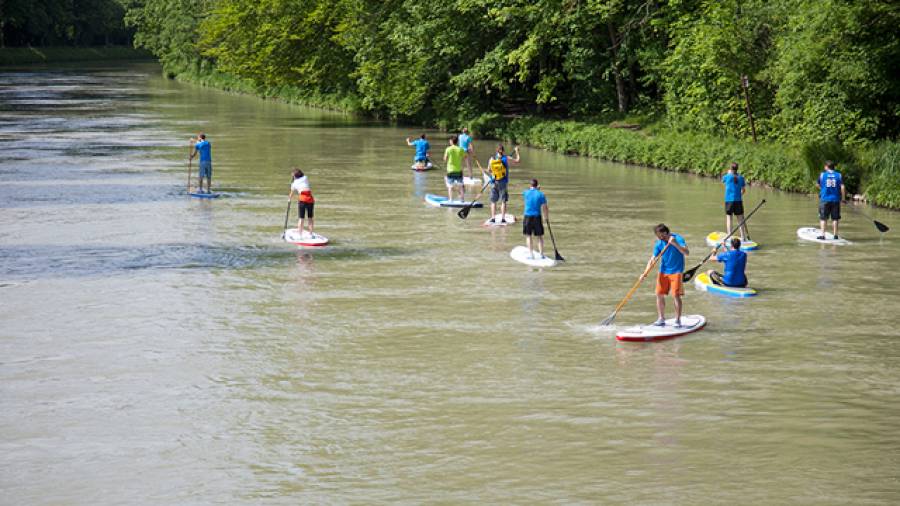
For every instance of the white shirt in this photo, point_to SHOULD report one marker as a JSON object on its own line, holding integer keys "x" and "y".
{"x": 300, "y": 184}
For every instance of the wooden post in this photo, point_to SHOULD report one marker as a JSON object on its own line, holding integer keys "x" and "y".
{"x": 745, "y": 83}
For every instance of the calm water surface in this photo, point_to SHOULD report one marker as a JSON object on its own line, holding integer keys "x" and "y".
{"x": 156, "y": 349}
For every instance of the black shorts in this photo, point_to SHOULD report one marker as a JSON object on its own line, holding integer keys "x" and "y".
{"x": 532, "y": 225}
{"x": 716, "y": 278}
{"x": 734, "y": 208}
{"x": 830, "y": 210}
{"x": 305, "y": 210}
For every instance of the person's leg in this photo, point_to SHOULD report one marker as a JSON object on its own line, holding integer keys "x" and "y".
{"x": 462, "y": 190}
{"x": 528, "y": 244}
{"x": 504, "y": 199}
{"x": 541, "y": 245}
{"x": 449, "y": 188}
{"x": 678, "y": 305}
{"x": 727, "y": 224}
{"x": 822, "y": 220}
{"x": 494, "y": 198}
{"x": 300, "y": 218}
{"x": 744, "y": 233}
{"x": 661, "y": 307}
{"x": 834, "y": 227}
{"x": 310, "y": 214}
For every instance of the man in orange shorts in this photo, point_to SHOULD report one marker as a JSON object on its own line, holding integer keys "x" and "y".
{"x": 671, "y": 269}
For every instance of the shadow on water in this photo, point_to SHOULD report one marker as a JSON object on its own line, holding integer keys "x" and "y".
{"x": 23, "y": 263}
{"x": 21, "y": 196}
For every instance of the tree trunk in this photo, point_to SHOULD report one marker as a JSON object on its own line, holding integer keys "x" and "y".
{"x": 621, "y": 92}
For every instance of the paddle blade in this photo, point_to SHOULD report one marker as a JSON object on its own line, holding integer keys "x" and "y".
{"x": 559, "y": 257}
{"x": 464, "y": 212}
{"x": 689, "y": 274}
{"x": 881, "y": 226}
{"x": 609, "y": 320}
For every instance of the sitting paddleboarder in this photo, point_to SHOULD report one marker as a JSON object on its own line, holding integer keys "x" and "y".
{"x": 305, "y": 200}
{"x": 735, "y": 262}
{"x": 453, "y": 157}
{"x": 671, "y": 268}
{"x": 499, "y": 173}
{"x": 532, "y": 226}
{"x": 423, "y": 151}
{"x": 204, "y": 149}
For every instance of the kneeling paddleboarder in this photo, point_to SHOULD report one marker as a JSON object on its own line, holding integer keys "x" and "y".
{"x": 735, "y": 264}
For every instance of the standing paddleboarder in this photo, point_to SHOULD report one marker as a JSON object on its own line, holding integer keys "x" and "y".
{"x": 831, "y": 193}
{"x": 735, "y": 186}
{"x": 305, "y": 201}
{"x": 453, "y": 157}
{"x": 532, "y": 225}
{"x": 671, "y": 267}
{"x": 202, "y": 146}
{"x": 499, "y": 167}
{"x": 735, "y": 262}
{"x": 423, "y": 151}
{"x": 465, "y": 142}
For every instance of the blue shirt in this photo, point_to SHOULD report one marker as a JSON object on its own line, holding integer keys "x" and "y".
{"x": 672, "y": 260}
{"x": 830, "y": 183}
{"x": 733, "y": 185}
{"x": 735, "y": 262}
{"x": 422, "y": 148}
{"x": 534, "y": 199}
{"x": 464, "y": 141}
{"x": 203, "y": 147}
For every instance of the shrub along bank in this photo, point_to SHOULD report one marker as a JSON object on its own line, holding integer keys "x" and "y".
{"x": 27, "y": 55}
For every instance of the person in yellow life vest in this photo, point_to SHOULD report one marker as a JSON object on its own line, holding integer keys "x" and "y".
{"x": 498, "y": 170}
{"x": 305, "y": 200}
{"x": 453, "y": 155}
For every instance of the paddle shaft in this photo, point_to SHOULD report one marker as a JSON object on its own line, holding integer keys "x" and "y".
{"x": 637, "y": 283}
{"x": 690, "y": 273}
{"x": 879, "y": 225}
{"x": 464, "y": 212}
{"x": 553, "y": 240}
{"x": 190, "y": 152}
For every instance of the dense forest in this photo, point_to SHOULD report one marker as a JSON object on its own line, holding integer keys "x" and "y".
{"x": 62, "y": 23}
{"x": 817, "y": 70}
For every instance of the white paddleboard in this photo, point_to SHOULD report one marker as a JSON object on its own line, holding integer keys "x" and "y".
{"x": 715, "y": 238}
{"x": 689, "y": 323}
{"x": 420, "y": 167}
{"x": 510, "y": 219}
{"x": 521, "y": 254}
{"x": 704, "y": 284}
{"x": 812, "y": 234}
{"x": 440, "y": 201}
{"x": 292, "y": 236}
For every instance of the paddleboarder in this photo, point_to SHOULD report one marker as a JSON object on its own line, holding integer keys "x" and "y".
{"x": 465, "y": 142}
{"x": 532, "y": 225}
{"x": 499, "y": 168}
{"x": 735, "y": 186}
{"x": 453, "y": 157}
{"x": 831, "y": 193}
{"x": 671, "y": 268}
{"x": 735, "y": 262}
{"x": 204, "y": 149}
{"x": 423, "y": 150}
{"x": 305, "y": 201}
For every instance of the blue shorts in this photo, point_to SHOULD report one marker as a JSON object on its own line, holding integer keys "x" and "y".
{"x": 206, "y": 169}
{"x": 453, "y": 179}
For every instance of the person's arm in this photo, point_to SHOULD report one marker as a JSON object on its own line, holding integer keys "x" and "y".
{"x": 843, "y": 193}
{"x": 819, "y": 182}
{"x": 545, "y": 210}
{"x": 683, "y": 249}
{"x": 744, "y": 188}
{"x": 647, "y": 268}
{"x": 445, "y": 154}
{"x": 193, "y": 142}
{"x": 408, "y": 141}
{"x": 517, "y": 158}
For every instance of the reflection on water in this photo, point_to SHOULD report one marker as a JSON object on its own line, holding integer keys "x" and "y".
{"x": 146, "y": 333}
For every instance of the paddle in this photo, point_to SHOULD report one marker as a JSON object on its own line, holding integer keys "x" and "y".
{"x": 879, "y": 225}
{"x": 609, "y": 319}
{"x": 559, "y": 257}
{"x": 287, "y": 214}
{"x": 690, "y": 273}
{"x": 464, "y": 212}
{"x": 189, "y": 168}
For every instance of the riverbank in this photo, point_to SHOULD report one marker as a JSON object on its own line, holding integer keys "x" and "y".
{"x": 27, "y": 55}
{"x": 872, "y": 172}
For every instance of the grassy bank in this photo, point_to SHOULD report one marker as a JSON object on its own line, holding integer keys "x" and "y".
{"x": 26, "y": 55}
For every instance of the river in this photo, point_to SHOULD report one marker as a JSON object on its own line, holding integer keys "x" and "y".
{"x": 158, "y": 349}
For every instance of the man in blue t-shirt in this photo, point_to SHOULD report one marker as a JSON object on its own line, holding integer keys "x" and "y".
{"x": 735, "y": 264}
{"x": 498, "y": 166}
{"x": 423, "y": 150}
{"x": 735, "y": 186}
{"x": 673, "y": 248}
{"x": 535, "y": 205}
{"x": 465, "y": 142}
{"x": 831, "y": 193}
{"x": 202, "y": 147}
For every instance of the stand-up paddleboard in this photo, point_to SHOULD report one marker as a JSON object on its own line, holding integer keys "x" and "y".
{"x": 304, "y": 238}
{"x": 715, "y": 238}
{"x": 704, "y": 284}
{"x": 689, "y": 323}
{"x": 475, "y": 181}
{"x": 812, "y": 234}
{"x": 204, "y": 195}
{"x": 509, "y": 220}
{"x": 439, "y": 201}
{"x": 420, "y": 167}
{"x": 521, "y": 254}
